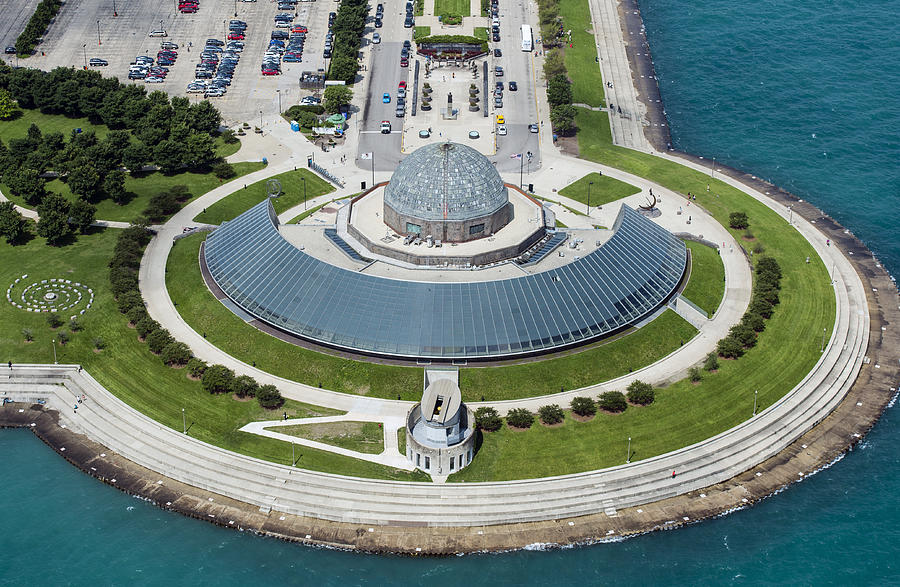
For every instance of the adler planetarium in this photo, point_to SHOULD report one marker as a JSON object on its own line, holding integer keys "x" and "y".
{"x": 443, "y": 263}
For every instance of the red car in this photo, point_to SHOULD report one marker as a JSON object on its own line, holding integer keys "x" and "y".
{"x": 402, "y": 85}
{"x": 183, "y": 5}
{"x": 300, "y": 29}
{"x": 188, "y": 10}
{"x": 270, "y": 72}
{"x": 404, "y": 62}
{"x": 235, "y": 36}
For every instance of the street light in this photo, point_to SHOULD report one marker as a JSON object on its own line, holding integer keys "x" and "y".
{"x": 99, "y": 42}
{"x": 114, "y": 9}
{"x": 590, "y": 183}
{"x": 278, "y": 91}
{"x": 303, "y": 179}
{"x": 713, "y": 174}
{"x": 183, "y": 422}
{"x": 235, "y": 8}
{"x": 628, "y": 452}
{"x": 84, "y": 51}
{"x": 55, "y": 362}
{"x": 822, "y": 350}
{"x": 755, "y": 393}
{"x": 791, "y": 212}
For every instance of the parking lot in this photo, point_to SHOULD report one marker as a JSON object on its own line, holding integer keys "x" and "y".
{"x": 519, "y": 107}
{"x": 73, "y": 38}
{"x": 15, "y": 17}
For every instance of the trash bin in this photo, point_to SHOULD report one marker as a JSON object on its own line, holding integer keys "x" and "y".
{"x": 295, "y": 126}
{"x": 265, "y": 161}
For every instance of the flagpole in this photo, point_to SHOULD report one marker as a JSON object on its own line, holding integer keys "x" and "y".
{"x": 521, "y": 163}
{"x": 373, "y": 169}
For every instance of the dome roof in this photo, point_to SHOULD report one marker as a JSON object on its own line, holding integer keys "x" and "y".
{"x": 446, "y": 181}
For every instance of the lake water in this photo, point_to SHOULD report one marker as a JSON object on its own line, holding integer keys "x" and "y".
{"x": 802, "y": 94}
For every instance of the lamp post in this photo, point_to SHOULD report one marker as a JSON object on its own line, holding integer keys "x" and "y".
{"x": 590, "y": 183}
{"x": 791, "y": 214}
{"x": 260, "y": 119}
{"x": 84, "y": 52}
{"x": 99, "y": 42}
{"x": 114, "y": 9}
{"x": 278, "y": 91}
{"x": 55, "y": 362}
{"x": 235, "y": 8}
{"x": 293, "y": 460}
{"x": 521, "y": 167}
{"x": 822, "y": 350}
{"x": 183, "y": 422}
{"x": 713, "y": 174}
{"x": 628, "y": 452}
{"x": 755, "y": 393}
{"x": 303, "y": 179}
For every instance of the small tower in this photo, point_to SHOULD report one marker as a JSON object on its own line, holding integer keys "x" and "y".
{"x": 440, "y": 430}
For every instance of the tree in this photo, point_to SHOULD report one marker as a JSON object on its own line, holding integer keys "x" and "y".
{"x": 114, "y": 186}
{"x": 711, "y": 363}
{"x": 559, "y": 90}
{"x": 204, "y": 118}
{"x": 7, "y": 105}
{"x": 53, "y": 223}
{"x": 754, "y": 321}
{"x": 199, "y": 148}
{"x": 13, "y": 225}
{"x": 145, "y": 326}
{"x": 520, "y": 418}
{"x": 228, "y": 137}
{"x": 75, "y": 325}
{"x": 244, "y": 386}
{"x": 269, "y": 397}
{"x": 695, "y": 374}
{"x": 762, "y": 307}
{"x": 337, "y": 96}
{"x": 583, "y": 406}
{"x": 768, "y": 266}
{"x": 343, "y": 68}
{"x": 82, "y": 215}
{"x": 217, "y": 379}
{"x": 487, "y": 419}
{"x": 54, "y": 320}
{"x": 640, "y": 393}
{"x": 224, "y": 170}
{"x": 196, "y": 367}
{"x": 612, "y": 401}
{"x": 161, "y": 205}
{"x": 743, "y": 334}
{"x": 128, "y": 300}
{"x": 738, "y": 220}
{"x": 307, "y": 119}
{"x": 26, "y": 183}
{"x": 136, "y": 314}
{"x": 175, "y": 354}
{"x": 563, "y": 118}
{"x": 135, "y": 156}
{"x": 158, "y": 340}
{"x": 169, "y": 155}
{"x": 551, "y": 414}
{"x": 84, "y": 181}
{"x": 730, "y": 348}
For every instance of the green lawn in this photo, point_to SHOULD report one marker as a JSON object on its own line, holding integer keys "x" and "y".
{"x": 292, "y": 193}
{"x": 421, "y": 32}
{"x": 706, "y": 286}
{"x": 601, "y": 189}
{"x": 401, "y": 440}
{"x": 223, "y": 149}
{"x": 130, "y": 371}
{"x": 48, "y": 123}
{"x": 481, "y": 32}
{"x": 603, "y": 361}
{"x": 365, "y": 437}
{"x": 560, "y": 224}
{"x": 457, "y": 7}
{"x": 580, "y": 58}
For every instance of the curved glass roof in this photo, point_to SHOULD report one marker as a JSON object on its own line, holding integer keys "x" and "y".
{"x": 446, "y": 181}
{"x": 616, "y": 285}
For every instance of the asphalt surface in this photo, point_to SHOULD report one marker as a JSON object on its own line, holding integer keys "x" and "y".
{"x": 15, "y": 17}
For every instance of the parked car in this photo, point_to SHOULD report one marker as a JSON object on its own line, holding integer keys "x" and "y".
{"x": 513, "y": 86}
{"x": 533, "y": 127}
{"x": 473, "y": 134}
{"x": 376, "y": 39}
{"x": 10, "y": 50}
{"x": 310, "y": 101}
{"x": 168, "y": 45}
{"x": 498, "y": 53}
{"x": 97, "y": 62}
{"x": 404, "y": 62}
{"x": 154, "y": 80}
{"x": 159, "y": 33}
{"x": 501, "y": 130}
{"x": 386, "y": 127}
{"x": 235, "y": 36}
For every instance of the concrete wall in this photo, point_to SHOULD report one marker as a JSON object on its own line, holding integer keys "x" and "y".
{"x": 450, "y": 231}
{"x": 438, "y": 460}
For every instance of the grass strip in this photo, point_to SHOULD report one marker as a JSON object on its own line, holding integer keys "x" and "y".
{"x": 706, "y": 287}
{"x": 296, "y": 187}
{"x": 596, "y": 189}
{"x": 581, "y": 54}
{"x": 364, "y": 437}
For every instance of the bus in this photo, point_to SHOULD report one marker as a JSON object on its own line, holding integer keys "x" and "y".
{"x": 526, "y": 38}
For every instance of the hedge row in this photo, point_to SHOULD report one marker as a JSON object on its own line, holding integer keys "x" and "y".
{"x": 123, "y": 278}
{"x": 743, "y": 335}
{"x": 37, "y": 26}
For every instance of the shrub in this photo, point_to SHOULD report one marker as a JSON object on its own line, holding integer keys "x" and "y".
{"x": 62, "y": 336}
{"x": 695, "y": 374}
{"x": 758, "y": 249}
{"x": 761, "y": 307}
{"x": 129, "y": 300}
{"x": 738, "y": 220}
{"x": 520, "y": 418}
{"x": 244, "y": 386}
{"x": 145, "y": 326}
{"x": 583, "y": 406}
{"x": 74, "y": 325}
{"x": 27, "y": 334}
{"x": 551, "y": 414}
{"x": 640, "y": 393}
{"x": 224, "y": 171}
{"x": 228, "y": 137}
{"x": 743, "y": 335}
{"x": 196, "y": 367}
{"x": 768, "y": 265}
{"x": 730, "y": 348}
{"x": 269, "y": 397}
{"x": 612, "y": 401}
{"x": 755, "y": 322}
{"x": 217, "y": 379}
{"x": 99, "y": 343}
{"x": 158, "y": 340}
{"x": 487, "y": 418}
{"x": 136, "y": 314}
{"x": 54, "y": 320}
{"x": 175, "y": 354}
{"x": 711, "y": 363}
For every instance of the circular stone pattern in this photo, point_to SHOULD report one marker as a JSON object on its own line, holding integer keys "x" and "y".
{"x": 50, "y": 295}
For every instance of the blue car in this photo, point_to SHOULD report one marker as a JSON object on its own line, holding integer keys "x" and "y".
{"x": 386, "y": 98}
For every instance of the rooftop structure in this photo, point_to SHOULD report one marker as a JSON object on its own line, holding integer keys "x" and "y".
{"x": 607, "y": 290}
{"x": 448, "y": 191}
{"x": 440, "y": 430}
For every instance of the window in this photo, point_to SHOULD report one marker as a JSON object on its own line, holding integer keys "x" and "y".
{"x": 460, "y": 461}
{"x": 452, "y": 462}
{"x": 427, "y": 462}
{"x": 469, "y": 457}
{"x": 419, "y": 459}
{"x": 476, "y": 228}
{"x": 413, "y": 228}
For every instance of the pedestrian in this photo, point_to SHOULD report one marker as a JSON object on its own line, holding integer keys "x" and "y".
{"x": 76, "y": 408}
{"x": 673, "y": 474}
{"x": 79, "y": 368}
{"x": 707, "y": 187}
{"x": 10, "y": 365}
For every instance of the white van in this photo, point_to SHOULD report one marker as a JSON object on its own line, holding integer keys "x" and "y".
{"x": 159, "y": 33}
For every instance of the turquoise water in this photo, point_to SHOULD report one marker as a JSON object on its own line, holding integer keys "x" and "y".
{"x": 801, "y": 95}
